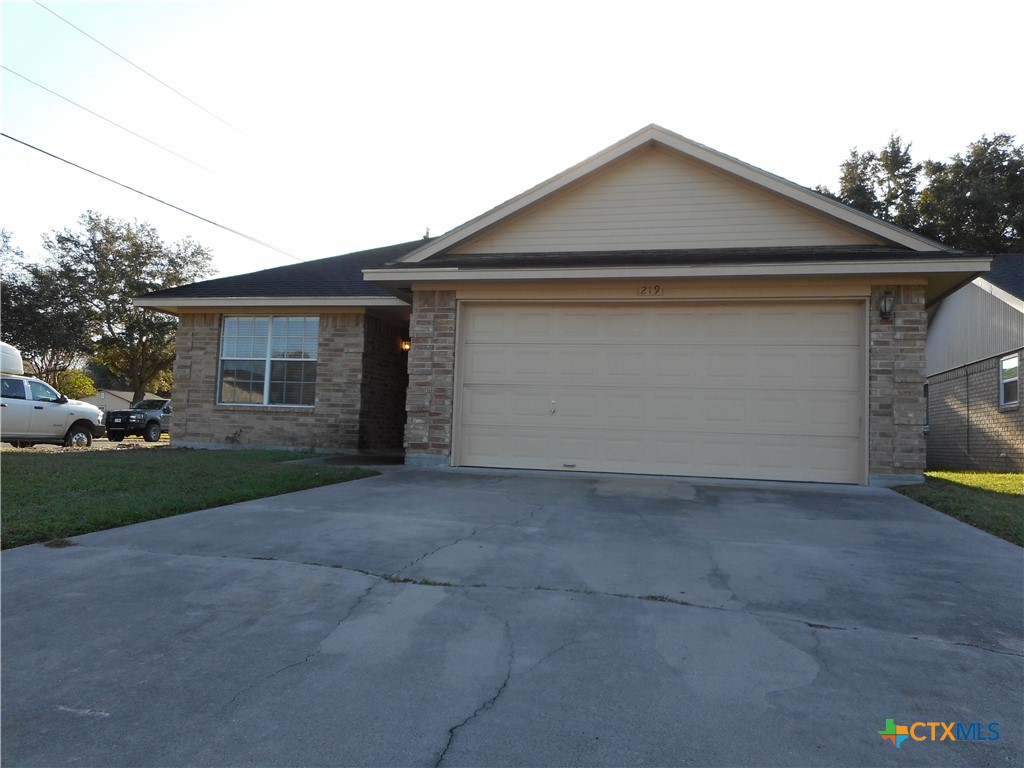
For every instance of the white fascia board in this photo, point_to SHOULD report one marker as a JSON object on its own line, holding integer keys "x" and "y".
{"x": 658, "y": 135}
{"x": 454, "y": 274}
{"x": 273, "y": 301}
{"x": 1005, "y": 297}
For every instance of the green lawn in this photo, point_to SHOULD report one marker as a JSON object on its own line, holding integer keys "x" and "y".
{"x": 991, "y": 501}
{"x": 49, "y": 496}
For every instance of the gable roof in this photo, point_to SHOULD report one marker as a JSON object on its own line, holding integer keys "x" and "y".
{"x": 336, "y": 280}
{"x": 656, "y": 136}
{"x": 125, "y": 395}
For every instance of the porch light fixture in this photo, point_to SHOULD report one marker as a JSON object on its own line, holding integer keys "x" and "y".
{"x": 885, "y": 304}
{"x": 405, "y": 344}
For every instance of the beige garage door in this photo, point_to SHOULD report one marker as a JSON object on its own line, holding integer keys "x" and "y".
{"x": 772, "y": 391}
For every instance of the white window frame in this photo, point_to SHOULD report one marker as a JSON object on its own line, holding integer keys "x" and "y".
{"x": 266, "y": 358}
{"x": 1003, "y": 402}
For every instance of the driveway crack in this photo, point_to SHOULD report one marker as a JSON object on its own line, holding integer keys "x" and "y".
{"x": 310, "y": 656}
{"x": 487, "y": 704}
{"x": 475, "y": 531}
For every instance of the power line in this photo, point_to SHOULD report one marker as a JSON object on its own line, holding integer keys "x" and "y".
{"x": 107, "y": 119}
{"x": 148, "y": 74}
{"x": 151, "y": 197}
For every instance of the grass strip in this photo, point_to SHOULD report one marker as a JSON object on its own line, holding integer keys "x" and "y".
{"x": 993, "y": 502}
{"x": 47, "y": 496}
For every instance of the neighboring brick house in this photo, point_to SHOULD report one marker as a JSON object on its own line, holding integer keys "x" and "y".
{"x": 660, "y": 308}
{"x": 974, "y": 349}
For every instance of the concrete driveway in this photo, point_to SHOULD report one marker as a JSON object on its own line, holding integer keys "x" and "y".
{"x": 440, "y": 617}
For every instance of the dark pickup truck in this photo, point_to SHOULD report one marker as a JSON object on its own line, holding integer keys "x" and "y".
{"x": 148, "y": 418}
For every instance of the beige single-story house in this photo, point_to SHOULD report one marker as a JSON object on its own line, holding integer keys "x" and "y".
{"x": 114, "y": 399}
{"x": 659, "y": 308}
{"x": 974, "y": 350}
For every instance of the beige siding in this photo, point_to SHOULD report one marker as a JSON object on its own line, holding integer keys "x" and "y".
{"x": 972, "y": 325}
{"x": 659, "y": 200}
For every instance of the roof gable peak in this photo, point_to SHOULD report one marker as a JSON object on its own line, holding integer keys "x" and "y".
{"x": 654, "y": 135}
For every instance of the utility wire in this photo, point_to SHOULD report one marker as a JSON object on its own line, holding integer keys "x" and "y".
{"x": 148, "y": 74}
{"x": 157, "y": 199}
{"x": 107, "y": 119}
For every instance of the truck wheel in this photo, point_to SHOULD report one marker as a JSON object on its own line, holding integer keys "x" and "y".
{"x": 151, "y": 433}
{"x": 78, "y": 437}
{"x": 115, "y": 437}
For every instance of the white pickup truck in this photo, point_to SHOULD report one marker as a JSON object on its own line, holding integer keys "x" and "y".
{"x": 31, "y": 411}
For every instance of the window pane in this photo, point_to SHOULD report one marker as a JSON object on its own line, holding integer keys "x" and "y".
{"x": 1011, "y": 392}
{"x": 43, "y": 392}
{"x": 14, "y": 388}
{"x": 1010, "y": 368}
{"x": 244, "y": 337}
{"x": 241, "y": 381}
{"x": 293, "y": 383}
{"x": 295, "y": 338}
{"x": 1009, "y": 380}
{"x": 290, "y": 340}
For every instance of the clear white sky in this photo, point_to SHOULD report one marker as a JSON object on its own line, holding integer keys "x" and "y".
{"x": 358, "y": 124}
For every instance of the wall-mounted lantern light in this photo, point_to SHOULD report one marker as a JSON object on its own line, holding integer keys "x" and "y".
{"x": 885, "y": 304}
{"x": 405, "y": 344}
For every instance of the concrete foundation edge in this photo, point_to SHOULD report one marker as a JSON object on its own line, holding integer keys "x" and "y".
{"x": 426, "y": 460}
{"x": 891, "y": 481}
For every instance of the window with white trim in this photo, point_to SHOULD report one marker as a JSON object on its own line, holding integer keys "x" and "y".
{"x": 268, "y": 360}
{"x": 1009, "y": 380}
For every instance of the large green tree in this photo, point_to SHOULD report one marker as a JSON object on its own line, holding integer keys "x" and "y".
{"x": 883, "y": 183}
{"x": 973, "y": 202}
{"x": 41, "y": 315}
{"x": 106, "y": 263}
{"x": 976, "y": 201}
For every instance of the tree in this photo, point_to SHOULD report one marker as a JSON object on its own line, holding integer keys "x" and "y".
{"x": 882, "y": 184}
{"x": 75, "y": 384}
{"x": 111, "y": 261}
{"x": 977, "y": 202}
{"x": 973, "y": 202}
{"x": 41, "y": 315}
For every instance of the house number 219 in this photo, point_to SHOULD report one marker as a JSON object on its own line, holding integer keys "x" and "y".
{"x": 649, "y": 290}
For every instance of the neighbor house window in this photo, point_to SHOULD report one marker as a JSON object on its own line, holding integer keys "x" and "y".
{"x": 1009, "y": 380}
{"x": 268, "y": 360}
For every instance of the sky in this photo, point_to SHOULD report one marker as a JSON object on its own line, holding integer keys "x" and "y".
{"x": 322, "y": 128}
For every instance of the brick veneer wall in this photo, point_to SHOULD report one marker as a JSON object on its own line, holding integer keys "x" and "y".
{"x": 383, "y": 393}
{"x": 428, "y": 428}
{"x": 966, "y": 427}
{"x": 332, "y": 424}
{"x": 896, "y": 368}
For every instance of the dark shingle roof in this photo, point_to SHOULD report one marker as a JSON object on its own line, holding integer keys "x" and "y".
{"x": 1008, "y": 273}
{"x": 333, "y": 276}
{"x": 688, "y": 257}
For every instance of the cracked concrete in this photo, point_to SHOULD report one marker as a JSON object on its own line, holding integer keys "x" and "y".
{"x": 590, "y": 620}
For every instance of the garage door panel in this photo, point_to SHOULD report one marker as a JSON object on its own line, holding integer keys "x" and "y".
{"x": 681, "y": 325}
{"x": 767, "y": 391}
{"x": 704, "y": 412}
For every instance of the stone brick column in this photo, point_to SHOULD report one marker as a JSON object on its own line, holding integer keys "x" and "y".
{"x": 896, "y": 376}
{"x": 197, "y": 350}
{"x": 428, "y": 428}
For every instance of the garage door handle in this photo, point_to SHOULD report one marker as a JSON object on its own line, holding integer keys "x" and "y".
{"x": 553, "y": 404}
